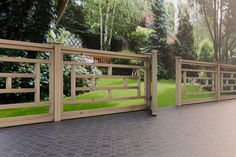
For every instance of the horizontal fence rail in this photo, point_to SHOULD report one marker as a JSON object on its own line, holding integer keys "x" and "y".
{"x": 57, "y": 62}
{"x": 198, "y": 82}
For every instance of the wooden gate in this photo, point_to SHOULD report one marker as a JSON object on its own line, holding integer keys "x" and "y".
{"x": 63, "y": 60}
{"x": 199, "y": 82}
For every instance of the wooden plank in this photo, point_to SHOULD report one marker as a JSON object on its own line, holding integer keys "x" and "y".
{"x": 148, "y": 83}
{"x": 197, "y": 70}
{"x": 24, "y": 60}
{"x": 199, "y": 63}
{"x": 232, "y": 76}
{"x": 20, "y": 45}
{"x": 106, "y": 88}
{"x": 189, "y": 102}
{"x": 109, "y": 94}
{"x": 98, "y": 53}
{"x": 110, "y": 71}
{"x": 228, "y": 91}
{"x": 229, "y": 85}
{"x": 230, "y": 79}
{"x": 102, "y": 111}
{"x": 228, "y": 72}
{"x": 24, "y": 43}
{"x": 185, "y": 82}
{"x": 104, "y": 65}
{"x": 18, "y": 90}
{"x": 58, "y": 82}
{"x": 27, "y": 48}
{"x": 227, "y": 66}
{"x": 8, "y": 83}
{"x": 17, "y": 75}
{"x": 202, "y": 86}
{"x": 125, "y": 82}
{"x": 178, "y": 76}
{"x": 138, "y": 82}
{"x": 154, "y": 83}
{"x": 200, "y": 93}
{"x": 37, "y": 83}
{"x": 106, "y": 76}
{"x": 24, "y": 105}
{"x": 23, "y": 120}
{"x": 102, "y": 100}
{"x": 73, "y": 81}
{"x": 51, "y": 83}
{"x": 199, "y": 78}
{"x": 228, "y": 97}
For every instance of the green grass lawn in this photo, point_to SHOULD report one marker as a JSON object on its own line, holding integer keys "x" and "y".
{"x": 166, "y": 98}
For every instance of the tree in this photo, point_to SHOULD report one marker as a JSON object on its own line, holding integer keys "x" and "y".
{"x": 205, "y": 51}
{"x": 219, "y": 15}
{"x": 185, "y": 38}
{"x": 113, "y": 18}
{"x": 158, "y": 38}
{"x": 27, "y": 20}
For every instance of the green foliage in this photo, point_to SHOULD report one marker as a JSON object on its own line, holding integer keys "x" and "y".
{"x": 159, "y": 37}
{"x": 206, "y": 51}
{"x": 185, "y": 40}
{"x": 139, "y": 39}
{"x": 27, "y": 20}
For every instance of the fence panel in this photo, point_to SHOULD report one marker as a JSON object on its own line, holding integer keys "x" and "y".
{"x": 35, "y": 75}
{"x": 64, "y": 65}
{"x": 102, "y": 60}
{"x": 198, "y": 82}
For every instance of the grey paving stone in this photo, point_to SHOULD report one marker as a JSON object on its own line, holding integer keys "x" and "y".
{"x": 205, "y": 130}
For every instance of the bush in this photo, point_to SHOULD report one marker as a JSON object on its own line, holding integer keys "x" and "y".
{"x": 206, "y": 51}
{"x": 139, "y": 39}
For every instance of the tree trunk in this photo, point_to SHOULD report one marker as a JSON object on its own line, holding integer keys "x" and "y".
{"x": 106, "y": 22}
{"x": 112, "y": 23}
{"x": 101, "y": 24}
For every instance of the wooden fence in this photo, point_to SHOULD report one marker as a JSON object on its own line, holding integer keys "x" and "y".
{"x": 56, "y": 62}
{"x": 198, "y": 82}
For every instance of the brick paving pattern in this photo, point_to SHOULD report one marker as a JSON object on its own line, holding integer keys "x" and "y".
{"x": 205, "y": 130}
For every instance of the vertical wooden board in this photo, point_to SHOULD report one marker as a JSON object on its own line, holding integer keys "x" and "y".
{"x": 93, "y": 83}
{"x": 154, "y": 83}
{"x": 139, "y": 82}
{"x": 219, "y": 81}
{"x": 231, "y": 76}
{"x": 51, "y": 83}
{"x": 213, "y": 82}
{"x": 125, "y": 82}
{"x": 8, "y": 83}
{"x": 148, "y": 83}
{"x": 185, "y": 83}
{"x": 37, "y": 83}
{"x": 110, "y": 71}
{"x": 110, "y": 94}
{"x": 58, "y": 88}
{"x": 178, "y": 75}
{"x": 73, "y": 82}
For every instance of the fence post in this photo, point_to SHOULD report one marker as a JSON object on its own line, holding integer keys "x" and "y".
{"x": 218, "y": 80}
{"x": 178, "y": 76}
{"x": 154, "y": 83}
{"x": 58, "y": 82}
{"x": 147, "y": 80}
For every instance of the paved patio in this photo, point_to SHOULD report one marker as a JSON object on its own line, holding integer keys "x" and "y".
{"x": 206, "y": 130}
